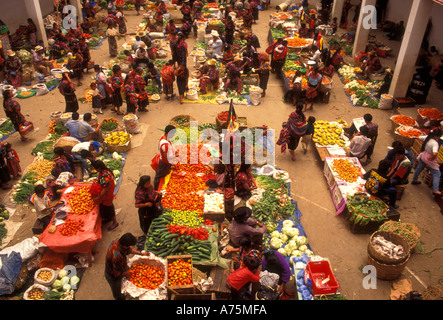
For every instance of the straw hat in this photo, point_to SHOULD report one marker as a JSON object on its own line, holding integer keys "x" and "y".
{"x": 141, "y": 33}
{"x": 214, "y": 33}
{"x": 211, "y": 62}
{"x": 38, "y": 48}
{"x": 10, "y": 53}
{"x": 143, "y": 45}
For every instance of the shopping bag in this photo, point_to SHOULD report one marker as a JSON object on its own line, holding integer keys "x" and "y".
{"x": 155, "y": 161}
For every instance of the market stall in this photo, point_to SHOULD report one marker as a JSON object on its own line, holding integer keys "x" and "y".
{"x": 329, "y": 139}
{"x": 78, "y": 227}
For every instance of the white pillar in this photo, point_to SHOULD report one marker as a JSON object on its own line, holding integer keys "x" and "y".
{"x": 410, "y": 47}
{"x": 363, "y": 29}
{"x": 337, "y": 8}
{"x": 34, "y": 12}
{"x": 77, "y": 4}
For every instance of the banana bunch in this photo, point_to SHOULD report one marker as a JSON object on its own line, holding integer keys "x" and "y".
{"x": 327, "y": 134}
{"x": 118, "y": 138}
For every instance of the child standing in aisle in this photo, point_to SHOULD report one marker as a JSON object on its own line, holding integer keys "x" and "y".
{"x": 309, "y": 133}
{"x": 13, "y": 161}
{"x": 96, "y": 98}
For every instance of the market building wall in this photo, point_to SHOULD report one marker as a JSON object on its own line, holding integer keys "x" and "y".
{"x": 14, "y": 12}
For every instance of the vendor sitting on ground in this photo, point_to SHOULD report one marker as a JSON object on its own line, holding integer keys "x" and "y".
{"x": 378, "y": 183}
{"x": 41, "y": 63}
{"x": 41, "y": 199}
{"x": 233, "y": 73}
{"x": 371, "y": 65}
{"x": 83, "y": 151}
{"x": 243, "y": 226}
{"x": 64, "y": 162}
{"x": 244, "y": 182}
{"x": 211, "y": 76}
{"x": 72, "y": 126}
{"x": 88, "y": 132}
{"x": 361, "y": 145}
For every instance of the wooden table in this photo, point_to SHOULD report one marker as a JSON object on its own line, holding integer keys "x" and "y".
{"x": 323, "y": 152}
{"x": 219, "y": 276}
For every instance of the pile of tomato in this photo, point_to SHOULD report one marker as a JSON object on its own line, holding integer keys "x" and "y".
{"x": 80, "y": 200}
{"x": 179, "y": 273}
{"x": 224, "y": 116}
{"x": 71, "y": 227}
{"x": 146, "y": 277}
{"x": 199, "y": 233}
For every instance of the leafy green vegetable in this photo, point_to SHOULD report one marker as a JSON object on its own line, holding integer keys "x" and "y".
{"x": 42, "y": 146}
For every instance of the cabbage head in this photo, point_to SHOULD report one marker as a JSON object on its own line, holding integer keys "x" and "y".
{"x": 74, "y": 281}
{"x": 291, "y": 231}
{"x": 301, "y": 240}
{"x": 275, "y": 234}
{"x": 276, "y": 243}
{"x": 303, "y": 248}
{"x": 57, "y": 284}
{"x": 284, "y": 238}
{"x": 296, "y": 253}
{"x": 288, "y": 223}
{"x": 282, "y": 251}
{"x": 66, "y": 287}
{"x": 62, "y": 273}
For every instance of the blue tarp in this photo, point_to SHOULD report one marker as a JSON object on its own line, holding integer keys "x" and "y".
{"x": 9, "y": 272}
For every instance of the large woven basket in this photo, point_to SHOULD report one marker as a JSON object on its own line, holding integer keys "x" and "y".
{"x": 395, "y": 125}
{"x": 388, "y": 271}
{"x": 184, "y": 123}
{"x": 392, "y": 237}
{"x": 118, "y": 148}
{"x": 406, "y": 141}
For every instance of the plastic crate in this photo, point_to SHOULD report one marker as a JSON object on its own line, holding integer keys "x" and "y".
{"x": 322, "y": 278}
{"x": 405, "y": 102}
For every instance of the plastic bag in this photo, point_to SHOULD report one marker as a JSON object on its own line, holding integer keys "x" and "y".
{"x": 41, "y": 89}
{"x": 159, "y": 293}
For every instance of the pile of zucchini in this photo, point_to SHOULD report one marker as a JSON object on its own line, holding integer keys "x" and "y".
{"x": 163, "y": 243}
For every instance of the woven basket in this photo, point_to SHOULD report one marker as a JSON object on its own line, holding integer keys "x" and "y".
{"x": 412, "y": 237}
{"x": 184, "y": 124}
{"x": 392, "y": 237}
{"x": 118, "y": 148}
{"x": 388, "y": 271}
{"x": 406, "y": 141}
{"x": 395, "y": 125}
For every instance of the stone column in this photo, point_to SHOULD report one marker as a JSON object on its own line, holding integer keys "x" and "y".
{"x": 34, "y": 12}
{"x": 410, "y": 47}
{"x": 337, "y": 7}
{"x": 365, "y": 22}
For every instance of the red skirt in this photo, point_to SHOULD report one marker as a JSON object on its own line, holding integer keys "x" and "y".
{"x": 14, "y": 167}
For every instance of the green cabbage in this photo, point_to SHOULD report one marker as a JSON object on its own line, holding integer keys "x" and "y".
{"x": 275, "y": 234}
{"x": 288, "y": 223}
{"x": 303, "y": 248}
{"x": 296, "y": 253}
{"x": 284, "y": 238}
{"x": 276, "y": 243}
{"x": 62, "y": 273}
{"x": 65, "y": 280}
{"x": 290, "y": 231}
{"x": 301, "y": 240}
{"x": 66, "y": 287}
{"x": 57, "y": 284}
{"x": 282, "y": 251}
{"x": 74, "y": 281}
